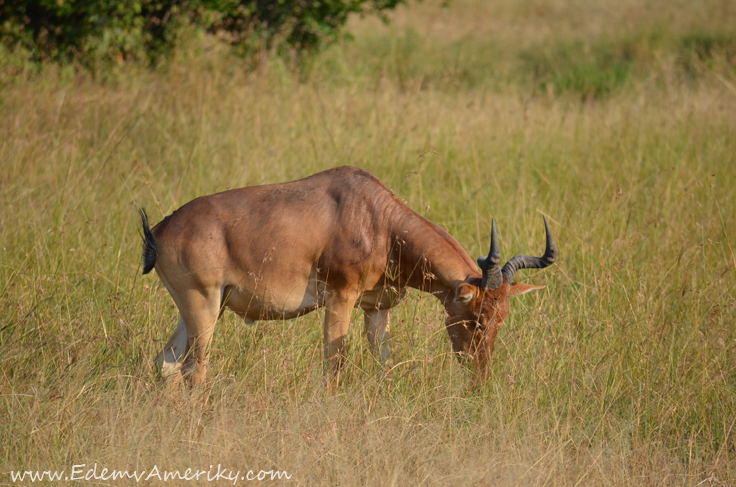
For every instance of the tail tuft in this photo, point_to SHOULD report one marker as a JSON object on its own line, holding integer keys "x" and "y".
{"x": 150, "y": 251}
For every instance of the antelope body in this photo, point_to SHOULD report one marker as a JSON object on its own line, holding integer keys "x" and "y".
{"x": 338, "y": 239}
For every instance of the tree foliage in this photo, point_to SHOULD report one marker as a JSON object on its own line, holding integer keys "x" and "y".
{"x": 83, "y": 30}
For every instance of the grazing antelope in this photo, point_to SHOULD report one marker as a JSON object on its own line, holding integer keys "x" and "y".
{"x": 338, "y": 239}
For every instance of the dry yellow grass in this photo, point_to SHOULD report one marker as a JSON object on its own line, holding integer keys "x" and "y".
{"x": 622, "y": 372}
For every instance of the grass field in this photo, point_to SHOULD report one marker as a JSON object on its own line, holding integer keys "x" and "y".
{"x": 617, "y": 120}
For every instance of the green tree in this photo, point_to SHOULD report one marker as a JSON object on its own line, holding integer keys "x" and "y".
{"x": 83, "y": 30}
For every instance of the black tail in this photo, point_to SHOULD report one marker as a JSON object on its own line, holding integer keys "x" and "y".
{"x": 150, "y": 251}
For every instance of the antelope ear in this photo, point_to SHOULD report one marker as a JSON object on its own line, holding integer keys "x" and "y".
{"x": 519, "y": 288}
{"x": 464, "y": 293}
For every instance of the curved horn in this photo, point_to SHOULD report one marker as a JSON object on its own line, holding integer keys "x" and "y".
{"x": 489, "y": 265}
{"x": 527, "y": 262}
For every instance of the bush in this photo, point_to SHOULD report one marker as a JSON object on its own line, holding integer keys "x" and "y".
{"x": 90, "y": 30}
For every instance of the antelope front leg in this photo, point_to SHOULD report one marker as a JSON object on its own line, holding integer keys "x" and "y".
{"x": 337, "y": 321}
{"x": 378, "y": 332}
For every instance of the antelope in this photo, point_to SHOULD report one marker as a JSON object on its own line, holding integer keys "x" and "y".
{"x": 338, "y": 239}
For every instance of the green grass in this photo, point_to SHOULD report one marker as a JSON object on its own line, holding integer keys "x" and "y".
{"x": 621, "y": 372}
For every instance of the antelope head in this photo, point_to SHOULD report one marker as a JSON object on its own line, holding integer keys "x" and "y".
{"x": 480, "y": 305}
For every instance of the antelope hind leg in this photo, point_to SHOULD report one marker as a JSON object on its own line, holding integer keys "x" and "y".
{"x": 200, "y": 316}
{"x": 170, "y": 359}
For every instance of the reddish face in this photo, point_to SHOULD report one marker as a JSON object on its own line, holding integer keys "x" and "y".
{"x": 475, "y": 315}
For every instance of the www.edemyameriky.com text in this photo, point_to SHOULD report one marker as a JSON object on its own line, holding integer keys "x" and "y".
{"x": 84, "y": 472}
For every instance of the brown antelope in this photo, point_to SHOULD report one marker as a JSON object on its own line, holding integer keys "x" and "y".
{"x": 338, "y": 239}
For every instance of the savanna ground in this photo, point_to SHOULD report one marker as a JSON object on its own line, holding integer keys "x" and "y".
{"x": 615, "y": 119}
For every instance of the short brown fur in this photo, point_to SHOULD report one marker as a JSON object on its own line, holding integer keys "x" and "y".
{"x": 338, "y": 239}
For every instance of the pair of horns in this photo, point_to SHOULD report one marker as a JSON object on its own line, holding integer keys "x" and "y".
{"x": 493, "y": 275}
